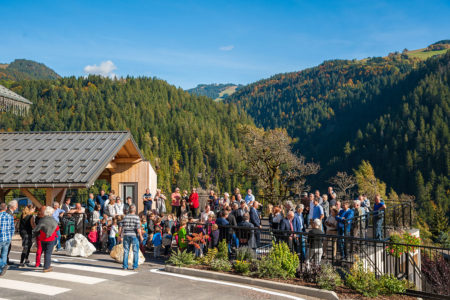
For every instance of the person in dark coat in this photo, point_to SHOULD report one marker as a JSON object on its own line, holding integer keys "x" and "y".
{"x": 246, "y": 234}
{"x": 256, "y": 221}
{"x": 26, "y": 224}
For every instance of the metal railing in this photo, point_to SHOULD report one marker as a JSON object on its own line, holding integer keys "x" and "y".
{"x": 341, "y": 252}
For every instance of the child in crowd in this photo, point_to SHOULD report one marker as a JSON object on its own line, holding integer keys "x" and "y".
{"x": 113, "y": 231}
{"x": 181, "y": 236}
{"x": 144, "y": 229}
{"x": 157, "y": 241}
{"x": 104, "y": 239}
{"x": 214, "y": 236}
{"x": 96, "y": 214}
{"x": 93, "y": 236}
{"x": 167, "y": 240}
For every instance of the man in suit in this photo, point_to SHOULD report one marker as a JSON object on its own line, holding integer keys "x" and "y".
{"x": 256, "y": 221}
{"x": 246, "y": 235}
{"x": 289, "y": 225}
{"x": 301, "y": 238}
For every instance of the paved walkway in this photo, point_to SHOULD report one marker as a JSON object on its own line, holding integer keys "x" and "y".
{"x": 100, "y": 277}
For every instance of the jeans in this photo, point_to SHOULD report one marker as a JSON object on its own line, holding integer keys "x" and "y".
{"x": 58, "y": 240}
{"x": 378, "y": 228}
{"x": 342, "y": 242}
{"x": 47, "y": 248}
{"x": 4, "y": 246}
{"x": 133, "y": 241}
{"x": 111, "y": 242}
{"x": 147, "y": 206}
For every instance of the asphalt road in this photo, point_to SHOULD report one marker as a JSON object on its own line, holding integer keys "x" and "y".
{"x": 99, "y": 277}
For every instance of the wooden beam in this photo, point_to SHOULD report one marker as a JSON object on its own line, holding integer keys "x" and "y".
{"x": 127, "y": 160}
{"x": 60, "y": 197}
{"x": 30, "y": 196}
{"x": 49, "y": 196}
{"x": 112, "y": 165}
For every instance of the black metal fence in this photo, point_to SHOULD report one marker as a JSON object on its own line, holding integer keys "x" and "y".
{"x": 342, "y": 252}
{"x": 377, "y": 224}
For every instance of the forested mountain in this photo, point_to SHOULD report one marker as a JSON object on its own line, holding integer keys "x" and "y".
{"x": 392, "y": 111}
{"x": 21, "y": 69}
{"x": 215, "y": 91}
{"x": 190, "y": 140}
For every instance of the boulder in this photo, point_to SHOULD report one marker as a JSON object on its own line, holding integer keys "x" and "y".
{"x": 79, "y": 246}
{"x": 117, "y": 255}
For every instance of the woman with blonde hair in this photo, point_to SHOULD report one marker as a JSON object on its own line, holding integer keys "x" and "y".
{"x": 26, "y": 224}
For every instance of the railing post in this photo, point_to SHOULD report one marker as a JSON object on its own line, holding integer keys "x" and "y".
{"x": 403, "y": 215}
{"x": 394, "y": 216}
{"x": 384, "y": 223}
{"x": 410, "y": 214}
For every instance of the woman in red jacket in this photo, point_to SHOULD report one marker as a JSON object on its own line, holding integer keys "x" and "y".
{"x": 46, "y": 232}
{"x": 194, "y": 203}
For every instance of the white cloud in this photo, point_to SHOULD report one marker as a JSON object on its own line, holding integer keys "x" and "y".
{"x": 105, "y": 69}
{"x": 226, "y": 48}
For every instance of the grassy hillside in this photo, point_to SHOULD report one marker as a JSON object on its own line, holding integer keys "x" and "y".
{"x": 215, "y": 91}
{"x": 22, "y": 69}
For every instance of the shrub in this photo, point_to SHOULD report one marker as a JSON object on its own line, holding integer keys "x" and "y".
{"x": 280, "y": 262}
{"x": 182, "y": 258}
{"x": 242, "y": 267}
{"x": 436, "y": 273}
{"x": 222, "y": 250}
{"x": 328, "y": 278}
{"x": 362, "y": 281}
{"x": 244, "y": 253}
{"x": 311, "y": 273}
{"x": 208, "y": 257}
{"x": 391, "y": 285}
{"x": 220, "y": 264}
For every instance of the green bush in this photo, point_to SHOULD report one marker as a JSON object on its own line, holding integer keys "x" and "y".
{"x": 220, "y": 264}
{"x": 363, "y": 281}
{"x": 242, "y": 267}
{"x": 280, "y": 262}
{"x": 222, "y": 250}
{"x": 391, "y": 285}
{"x": 367, "y": 284}
{"x": 182, "y": 258}
{"x": 328, "y": 278}
{"x": 245, "y": 253}
{"x": 208, "y": 257}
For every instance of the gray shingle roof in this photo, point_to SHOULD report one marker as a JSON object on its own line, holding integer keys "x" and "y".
{"x": 51, "y": 159}
{"x": 4, "y": 92}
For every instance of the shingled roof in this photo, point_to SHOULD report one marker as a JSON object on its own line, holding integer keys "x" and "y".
{"x": 4, "y": 92}
{"x": 57, "y": 159}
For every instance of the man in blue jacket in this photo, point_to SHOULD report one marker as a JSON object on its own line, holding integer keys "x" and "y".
{"x": 288, "y": 226}
{"x": 256, "y": 221}
{"x": 101, "y": 200}
{"x": 344, "y": 220}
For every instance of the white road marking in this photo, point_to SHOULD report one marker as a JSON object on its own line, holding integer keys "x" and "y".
{"x": 103, "y": 270}
{"x": 226, "y": 283}
{"x": 31, "y": 287}
{"x": 64, "y": 256}
{"x": 65, "y": 277}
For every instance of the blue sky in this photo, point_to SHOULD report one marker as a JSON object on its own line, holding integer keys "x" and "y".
{"x": 192, "y": 42}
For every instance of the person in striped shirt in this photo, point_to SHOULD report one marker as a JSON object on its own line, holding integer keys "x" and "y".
{"x": 6, "y": 233}
{"x": 130, "y": 228}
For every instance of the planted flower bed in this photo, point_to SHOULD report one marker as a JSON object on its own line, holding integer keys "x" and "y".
{"x": 281, "y": 265}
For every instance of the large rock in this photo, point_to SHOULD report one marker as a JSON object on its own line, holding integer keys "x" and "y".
{"x": 79, "y": 246}
{"x": 117, "y": 255}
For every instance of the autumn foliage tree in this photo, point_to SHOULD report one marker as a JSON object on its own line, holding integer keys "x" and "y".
{"x": 269, "y": 161}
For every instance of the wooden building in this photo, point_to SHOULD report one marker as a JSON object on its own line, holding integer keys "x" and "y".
{"x": 57, "y": 161}
{"x": 12, "y": 102}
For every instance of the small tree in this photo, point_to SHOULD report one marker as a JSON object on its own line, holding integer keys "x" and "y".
{"x": 344, "y": 184}
{"x": 269, "y": 160}
{"x": 367, "y": 182}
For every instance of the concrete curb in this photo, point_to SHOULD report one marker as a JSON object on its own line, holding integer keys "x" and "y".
{"x": 297, "y": 289}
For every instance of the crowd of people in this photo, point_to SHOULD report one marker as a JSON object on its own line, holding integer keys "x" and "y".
{"x": 107, "y": 221}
